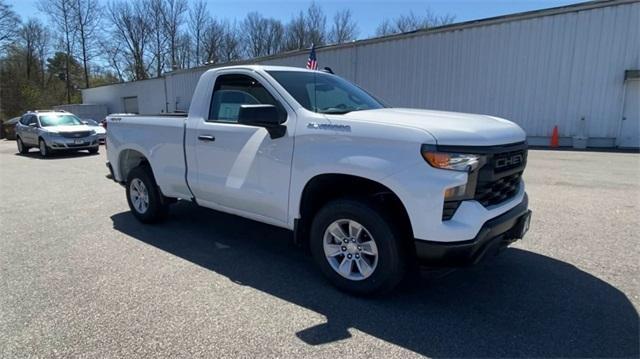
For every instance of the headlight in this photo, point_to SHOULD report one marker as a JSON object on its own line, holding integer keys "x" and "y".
{"x": 464, "y": 162}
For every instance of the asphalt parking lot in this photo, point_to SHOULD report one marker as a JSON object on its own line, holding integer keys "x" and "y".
{"x": 80, "y": 277}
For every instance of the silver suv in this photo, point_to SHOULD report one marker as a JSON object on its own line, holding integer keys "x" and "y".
{"x": 54, "y": 130}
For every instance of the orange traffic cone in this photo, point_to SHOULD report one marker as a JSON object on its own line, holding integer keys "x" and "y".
{"x": 555, "y": 142}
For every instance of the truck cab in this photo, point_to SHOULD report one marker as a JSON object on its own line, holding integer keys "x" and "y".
{"x": 368, "y": 188}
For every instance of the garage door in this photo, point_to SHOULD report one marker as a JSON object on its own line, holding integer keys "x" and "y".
{"x": 130, "y": 104}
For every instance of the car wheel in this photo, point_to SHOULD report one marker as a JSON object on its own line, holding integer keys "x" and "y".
{"x": 44, "y": 150}
{"x": 144, "y": 197}
{"x": 357, "y": 247}
{"x": 93, "y": 150}
{"x": 22, "y": 148}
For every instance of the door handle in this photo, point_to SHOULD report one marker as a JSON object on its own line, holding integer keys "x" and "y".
{"x": 206, "y": 138}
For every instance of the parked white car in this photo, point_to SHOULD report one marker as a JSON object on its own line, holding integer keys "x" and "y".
{"x": 98, "y": 127}
{"x": 368, "y": 188}
{"x": 54, "y": 131}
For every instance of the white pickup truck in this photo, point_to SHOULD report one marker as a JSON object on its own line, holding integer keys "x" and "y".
{"x": 370, "y": 189}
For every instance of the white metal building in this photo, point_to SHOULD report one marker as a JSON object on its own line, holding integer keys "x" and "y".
{"x": 577, "y": 67}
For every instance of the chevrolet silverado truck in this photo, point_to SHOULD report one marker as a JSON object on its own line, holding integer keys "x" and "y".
{"x": 371, "y": 190}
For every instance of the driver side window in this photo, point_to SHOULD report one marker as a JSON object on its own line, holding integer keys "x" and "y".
{"x": 232, "y": 91}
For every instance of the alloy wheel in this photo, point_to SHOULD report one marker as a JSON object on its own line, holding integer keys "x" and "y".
{"x": 139, "y": 195}
{"x": 350, "y": 249}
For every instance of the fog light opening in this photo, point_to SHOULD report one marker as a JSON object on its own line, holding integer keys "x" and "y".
{"x": 455, "y": 192}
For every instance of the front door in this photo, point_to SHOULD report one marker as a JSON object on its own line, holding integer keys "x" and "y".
{"x": 630, "y": 129}
{"x": 240, "y": 169}
{"x": 31, "y": 131}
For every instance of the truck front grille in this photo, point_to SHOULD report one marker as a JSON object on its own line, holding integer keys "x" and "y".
{"x": 495, "y": 192}
{"x": 76, "y": 134}
{"x": 498, "y": 180}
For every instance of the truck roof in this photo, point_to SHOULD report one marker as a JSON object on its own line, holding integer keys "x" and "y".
{"x": 265, "y": 68}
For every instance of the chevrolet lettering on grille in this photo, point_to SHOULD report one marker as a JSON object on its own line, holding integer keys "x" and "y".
{"x": 514, "y": 160}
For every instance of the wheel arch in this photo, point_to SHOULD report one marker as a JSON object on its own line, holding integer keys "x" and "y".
{"x": 129, "y": 159}
{"x": 323, "y": 188}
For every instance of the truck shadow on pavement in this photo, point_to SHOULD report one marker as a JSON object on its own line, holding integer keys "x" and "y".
{"x": 519, "y": 305}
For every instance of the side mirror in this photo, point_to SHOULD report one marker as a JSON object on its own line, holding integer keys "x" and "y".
{"x": 85, "y": 122}
{"x": 262, "y": 116}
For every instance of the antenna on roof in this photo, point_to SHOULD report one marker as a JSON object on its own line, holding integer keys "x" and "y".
{"x": 327, "y": 70}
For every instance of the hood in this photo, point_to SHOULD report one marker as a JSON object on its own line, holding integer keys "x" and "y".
{"x": 448, "y": 128}
{"x": 74, "y": 128}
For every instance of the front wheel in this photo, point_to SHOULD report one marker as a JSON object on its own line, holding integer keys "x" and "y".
{"x": 357, "y": 247}
{"x": 93, "y": 150}
{"x": 144, "y": 197}
{"x": 21, "y": 146}
{"x": 44, "y": 150}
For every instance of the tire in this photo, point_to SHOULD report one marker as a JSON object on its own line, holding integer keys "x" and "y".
{"x": 380, "y": 273}
{"x": 22, "y": 148}
{"x": 44, "y": 150}
{"x": 144, "y": 197}
{"x": 93, "y": 150}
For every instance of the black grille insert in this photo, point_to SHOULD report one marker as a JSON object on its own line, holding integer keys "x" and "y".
{"x": 493, "y": 192}
{"x": 76, "y": 134}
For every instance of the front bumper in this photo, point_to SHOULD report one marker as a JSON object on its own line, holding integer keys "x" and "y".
{"x": 495, "y": 234}
{"x": 62, "y": 143}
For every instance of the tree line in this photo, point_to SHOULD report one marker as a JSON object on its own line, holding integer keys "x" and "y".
{"x": 86, "y": 43}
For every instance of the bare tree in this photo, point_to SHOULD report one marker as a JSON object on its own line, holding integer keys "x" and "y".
{"x": 158, "y": 42}
{"x": 42, "y": 47}
{"x": 316, "y": 23}
{"x": 412, "y": 22}
{"x": 306, "y": 29}
{"x": 88, "y": 15}
{"x": 9, "y": 24}
{"x": 113, "y": 53}
{"x": 274, "y": 39}
{"x": 254, "y": 28}
{"x": 32, "y": 35}
{"x": 173, "y": 18}
{"x": 344, "y": 28}
{"x": 184, "y": 50}
{"x": 230, "y": 45}
{"x": 198, "y": 19}
{"x": 385, "y": 28}
{"x": 131, "y": 27}
{"x": 61, "y": 14}
{"x": 296, "y": 33}
{"x": 212, "y": 41}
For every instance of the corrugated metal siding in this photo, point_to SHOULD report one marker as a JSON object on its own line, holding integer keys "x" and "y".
{"x": 150, "y": 93}
{"x": 539, "y": 72}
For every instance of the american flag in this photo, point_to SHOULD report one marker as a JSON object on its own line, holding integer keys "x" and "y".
{"x": 312, "y": 63}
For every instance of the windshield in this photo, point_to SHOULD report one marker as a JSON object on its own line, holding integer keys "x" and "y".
{"x": 325, "y": 93}
{"x": 59, "y": 120}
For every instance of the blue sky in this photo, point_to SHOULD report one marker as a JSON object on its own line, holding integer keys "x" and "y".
{"x": 368, "y": 14}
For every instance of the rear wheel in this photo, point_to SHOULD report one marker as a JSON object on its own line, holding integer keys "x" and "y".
{"x": 357, "y": 247}
{"x": 93, "y": 150}
{"x": 22, "y": 148}
{"x": 144, "y": 197}
{"x": 44, "y": 150}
